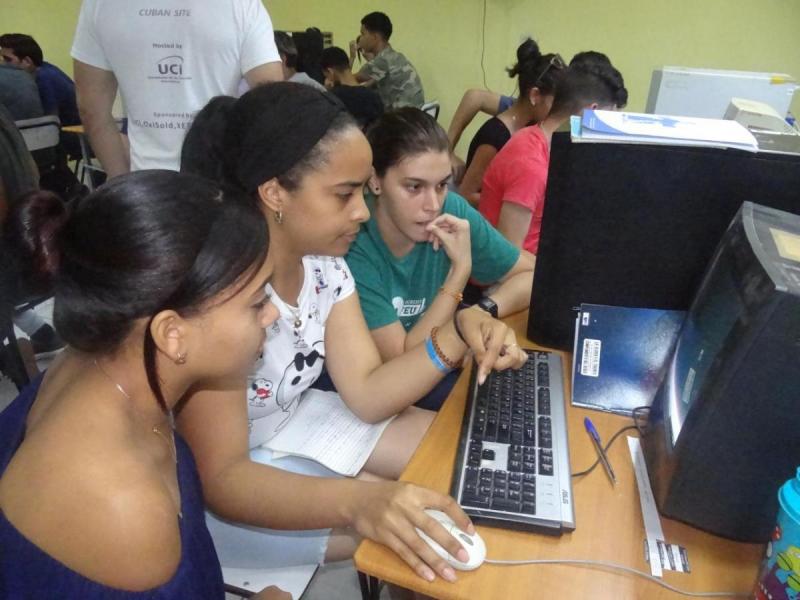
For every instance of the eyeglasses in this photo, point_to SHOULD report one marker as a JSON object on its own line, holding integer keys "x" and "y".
{"x": 555, "y": 62}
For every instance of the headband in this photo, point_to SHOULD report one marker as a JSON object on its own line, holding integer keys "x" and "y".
{"x": 276, "y": 125}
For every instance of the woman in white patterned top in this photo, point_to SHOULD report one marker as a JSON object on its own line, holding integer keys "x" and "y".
{"x": 305, "y": 160}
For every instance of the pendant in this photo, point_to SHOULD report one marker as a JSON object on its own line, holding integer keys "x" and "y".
{"x": 297, "y": 322}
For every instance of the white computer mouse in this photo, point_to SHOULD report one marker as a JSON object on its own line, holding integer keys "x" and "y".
{"x": 473, "y": 544}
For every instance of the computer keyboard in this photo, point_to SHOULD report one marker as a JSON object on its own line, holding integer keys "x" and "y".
{"x": 512, "y": 467}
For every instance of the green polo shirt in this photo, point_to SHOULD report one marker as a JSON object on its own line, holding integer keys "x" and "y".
{"x": 392, "y": 288}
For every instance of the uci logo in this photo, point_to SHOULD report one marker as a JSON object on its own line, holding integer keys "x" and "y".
{"x": 170, "y": 66}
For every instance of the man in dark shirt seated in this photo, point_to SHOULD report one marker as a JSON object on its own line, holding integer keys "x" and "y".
{"x": 363, "y": 103}
{"x": 56, "y": 89}
{"x": 57, "y": 94}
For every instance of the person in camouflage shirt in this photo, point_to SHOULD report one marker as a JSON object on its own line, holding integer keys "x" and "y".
{"x": 393, "y": 75}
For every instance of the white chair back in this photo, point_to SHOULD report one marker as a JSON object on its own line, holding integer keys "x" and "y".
{"x": 41, "y": 132}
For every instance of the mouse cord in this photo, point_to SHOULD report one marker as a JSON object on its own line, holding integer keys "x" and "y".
{"x": 614, "y": 566}
{"x": 637, "y": 425}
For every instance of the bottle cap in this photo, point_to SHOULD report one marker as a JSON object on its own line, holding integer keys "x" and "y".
{"x": 789, "y": 497}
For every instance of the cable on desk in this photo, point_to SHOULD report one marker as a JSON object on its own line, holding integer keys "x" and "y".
{"x": 637, "y": 425}
{"x": 614, "y": 566}
{"x": 607, "y": 446}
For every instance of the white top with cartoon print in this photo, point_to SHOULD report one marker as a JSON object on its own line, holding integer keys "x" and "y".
{"x": 294, "y": 350}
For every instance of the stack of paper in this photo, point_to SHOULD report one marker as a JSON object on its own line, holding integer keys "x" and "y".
{"x": 325, "y": 430}
{"x": 640, "y": 128}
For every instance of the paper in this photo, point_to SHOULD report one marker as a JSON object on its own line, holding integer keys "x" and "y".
{"x": 325, "y": 430}
{"x": 661, "y": 555}
{"x": 294, "y": 580}
{"x": 652, "y": 524}
{"x": 624, "y": 127}
{"x": 671, "y": 556}
{"x": 590, "y": 358}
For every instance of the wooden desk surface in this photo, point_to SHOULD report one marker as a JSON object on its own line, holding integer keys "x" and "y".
{"x": 608, "y": 527}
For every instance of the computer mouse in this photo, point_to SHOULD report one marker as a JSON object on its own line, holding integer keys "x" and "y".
{"x": 473, "y": 544}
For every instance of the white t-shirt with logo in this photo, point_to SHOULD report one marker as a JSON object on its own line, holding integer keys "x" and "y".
{"x": 170, "y": 58}
{"x": 294, "y": 351}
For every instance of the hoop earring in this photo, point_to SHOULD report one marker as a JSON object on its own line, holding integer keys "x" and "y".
{"x": 180, "y": 359}
{"x": 279, "y": 217}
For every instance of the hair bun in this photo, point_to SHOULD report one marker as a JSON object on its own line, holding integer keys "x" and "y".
{"x": 527, "y": 51}
{"x": 33, "y": 233}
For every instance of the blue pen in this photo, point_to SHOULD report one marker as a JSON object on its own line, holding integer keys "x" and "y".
{"x": 599, "y": 447}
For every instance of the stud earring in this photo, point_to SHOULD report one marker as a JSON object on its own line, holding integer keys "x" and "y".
{"x": 180, "y": 359}
{"x": 279, "y": 217}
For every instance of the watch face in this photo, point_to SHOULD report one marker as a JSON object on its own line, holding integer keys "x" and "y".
{"x": 489, "y": 306}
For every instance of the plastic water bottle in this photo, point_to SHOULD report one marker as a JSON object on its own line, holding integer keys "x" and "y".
{"x": 779, "y": 578}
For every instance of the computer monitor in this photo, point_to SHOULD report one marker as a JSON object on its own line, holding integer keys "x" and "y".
{"x": 688, "y": 92}
{"x": 635, "y": 225}
{"x": 723, "y": 432}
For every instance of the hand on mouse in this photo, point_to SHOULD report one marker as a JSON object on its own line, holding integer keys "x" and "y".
{"x": 390, "y": 512}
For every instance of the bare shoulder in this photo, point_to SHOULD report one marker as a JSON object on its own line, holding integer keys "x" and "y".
{"x": 111, "y": 519}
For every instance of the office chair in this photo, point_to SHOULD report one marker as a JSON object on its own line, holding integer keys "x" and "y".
{"x": 432, "y": 108}
{"x": 42, "y": 137}
{"x": 12, "y": 364}
{"x": 40, "y": 133}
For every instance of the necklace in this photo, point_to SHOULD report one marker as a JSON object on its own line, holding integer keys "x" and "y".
{"x": 170, "y": 440}
{"x": 296, "y": 314}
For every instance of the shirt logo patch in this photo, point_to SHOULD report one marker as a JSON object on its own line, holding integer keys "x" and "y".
{"x": 408, "y": 308}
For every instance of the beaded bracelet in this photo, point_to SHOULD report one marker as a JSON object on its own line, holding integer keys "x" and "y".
{"x": 457, "y": 296}
{"x": 432, "y": 354}
{"x": 450, "y": 363}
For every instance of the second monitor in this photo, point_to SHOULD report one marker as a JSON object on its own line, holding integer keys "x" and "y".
{"x": 635, "y": 225}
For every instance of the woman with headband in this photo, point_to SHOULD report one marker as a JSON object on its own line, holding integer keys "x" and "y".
{"x": 304, "y": 160}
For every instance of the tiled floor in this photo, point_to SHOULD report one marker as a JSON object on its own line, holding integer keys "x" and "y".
{"x": 336, "y": 581}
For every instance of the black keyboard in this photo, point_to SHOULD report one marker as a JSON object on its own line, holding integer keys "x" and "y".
{"x": 512, "y": 468}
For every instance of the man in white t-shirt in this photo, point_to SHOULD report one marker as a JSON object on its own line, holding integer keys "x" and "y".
{"x": 169, "y": 59}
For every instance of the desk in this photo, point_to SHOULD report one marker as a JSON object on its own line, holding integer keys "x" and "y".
{"x": 608, "y": 520}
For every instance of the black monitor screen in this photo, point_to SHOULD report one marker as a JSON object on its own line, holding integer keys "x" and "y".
{"x": 705, "y": 331}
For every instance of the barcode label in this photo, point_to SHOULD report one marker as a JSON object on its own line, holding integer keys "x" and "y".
{"x": 590, "y": 358}
{"x": 671, "y": 557}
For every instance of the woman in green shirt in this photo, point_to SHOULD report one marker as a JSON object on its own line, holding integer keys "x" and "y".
{"x": 422, "y": 243}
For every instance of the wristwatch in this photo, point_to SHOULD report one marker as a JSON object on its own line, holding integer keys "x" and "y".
{"x": 488, "y": 305}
